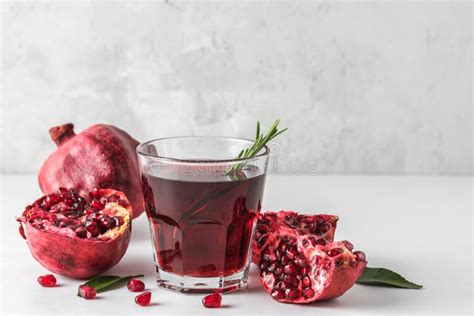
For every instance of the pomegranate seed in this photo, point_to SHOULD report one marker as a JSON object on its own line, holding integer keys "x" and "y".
{"x": 306, "y": 281}
{"x": 278, "y": 294}
{"x": 334, "y": 252}
{"x": 95, "y": 193}
{"x": 278, "y": 270}
{"x": 312, "y": 241}
{"x": 291, "y": 269}
{"x": 47, "y": 280}
{"x": 87, "y": 292}
{"x": 81, "y": 232}
{"x": 69, "y": 201}
{"x": 118, "y": 221}
{"x": 262, "y": 228}
{"x": 106, "y": 222}
{"x": 135, "y": 285}
{"x": 278, "y": 254}
{"x": 291, "y": 254}
{"x": 304, "y": 270}
{"x": 290, "y": 280}
{"x": 143, "y": 299}
{"x": 212, "y": 301}
{"x": 293, "y": 242}
{"x": 290, "y": 219}
{"x": 348, "y": 244}
{"x": 97, "y": 205}
{"x": 312, "y": 227}
{"x": 292, "y": 293}
{"x": 272, "y": 267}
{"x": 360, "y": 255}
{"x": 308, "y": 293}
{"x": 323, "y": 228}
{"x": 284, "y": 260}
{"x": 267, "y": 257}
{"x": 299, "y": 262}
{"x": 281, "y": 285}
{"x": 93, "y": 229}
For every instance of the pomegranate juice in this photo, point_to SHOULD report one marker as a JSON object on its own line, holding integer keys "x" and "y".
{"x": 202, "y": 223}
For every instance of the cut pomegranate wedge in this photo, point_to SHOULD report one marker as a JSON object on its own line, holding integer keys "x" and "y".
{"x": 298, "y": 262}
{"x": 75, "y": 236}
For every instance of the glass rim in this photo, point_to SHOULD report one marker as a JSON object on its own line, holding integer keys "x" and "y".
{"x": 140, "y": 151}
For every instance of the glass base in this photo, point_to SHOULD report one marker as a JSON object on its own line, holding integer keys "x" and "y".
{"x": 187, "y": 284}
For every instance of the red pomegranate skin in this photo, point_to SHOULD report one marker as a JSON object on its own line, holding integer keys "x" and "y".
{"x": 100, "y": 156}
{"x": 75, "y": 258}
{"x": 78, "y": 258}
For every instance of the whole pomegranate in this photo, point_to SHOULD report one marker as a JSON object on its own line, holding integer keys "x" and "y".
{"x": 75, "y": 236}
{"x": 101, "y": 156}
{"x": 299, "y": 267}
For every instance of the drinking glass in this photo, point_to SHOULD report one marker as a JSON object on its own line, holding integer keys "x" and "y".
{"x": 201, "y": 204}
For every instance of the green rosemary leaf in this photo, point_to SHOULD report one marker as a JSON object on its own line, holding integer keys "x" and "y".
{"x": 260, "y": 141}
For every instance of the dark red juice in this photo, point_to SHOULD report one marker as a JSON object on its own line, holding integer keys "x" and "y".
{"x": 202, "y": 223}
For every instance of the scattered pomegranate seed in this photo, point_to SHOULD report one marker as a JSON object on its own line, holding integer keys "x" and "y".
{"x": 87, "y": 292}
{"x": 135, "y": 285}
{"x": 143, "y": 299}
{"x": 47, "y": 280}
{"x": 212, "y": 301}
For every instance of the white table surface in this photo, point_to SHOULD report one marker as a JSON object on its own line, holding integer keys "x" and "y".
{"x": 418, "y": 226}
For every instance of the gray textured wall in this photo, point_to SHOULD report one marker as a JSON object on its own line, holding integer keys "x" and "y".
{"x": 368, "y": 87}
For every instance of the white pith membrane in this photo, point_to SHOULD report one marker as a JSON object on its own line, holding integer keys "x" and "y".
{"x": 323, "y": 273}
{"x": 41, "y": 222}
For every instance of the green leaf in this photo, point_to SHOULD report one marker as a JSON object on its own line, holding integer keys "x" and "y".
{"x": 385, "y": 277}
{"x": 108, "y": 282}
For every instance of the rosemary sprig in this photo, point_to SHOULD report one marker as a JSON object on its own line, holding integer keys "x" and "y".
{"x": 260, "y": 141}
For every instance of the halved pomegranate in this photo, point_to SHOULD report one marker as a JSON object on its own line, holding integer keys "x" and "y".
{"x": 76, "y": 236}
{"x": 299, "y": 267}
{"x": 318, "y": 228}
